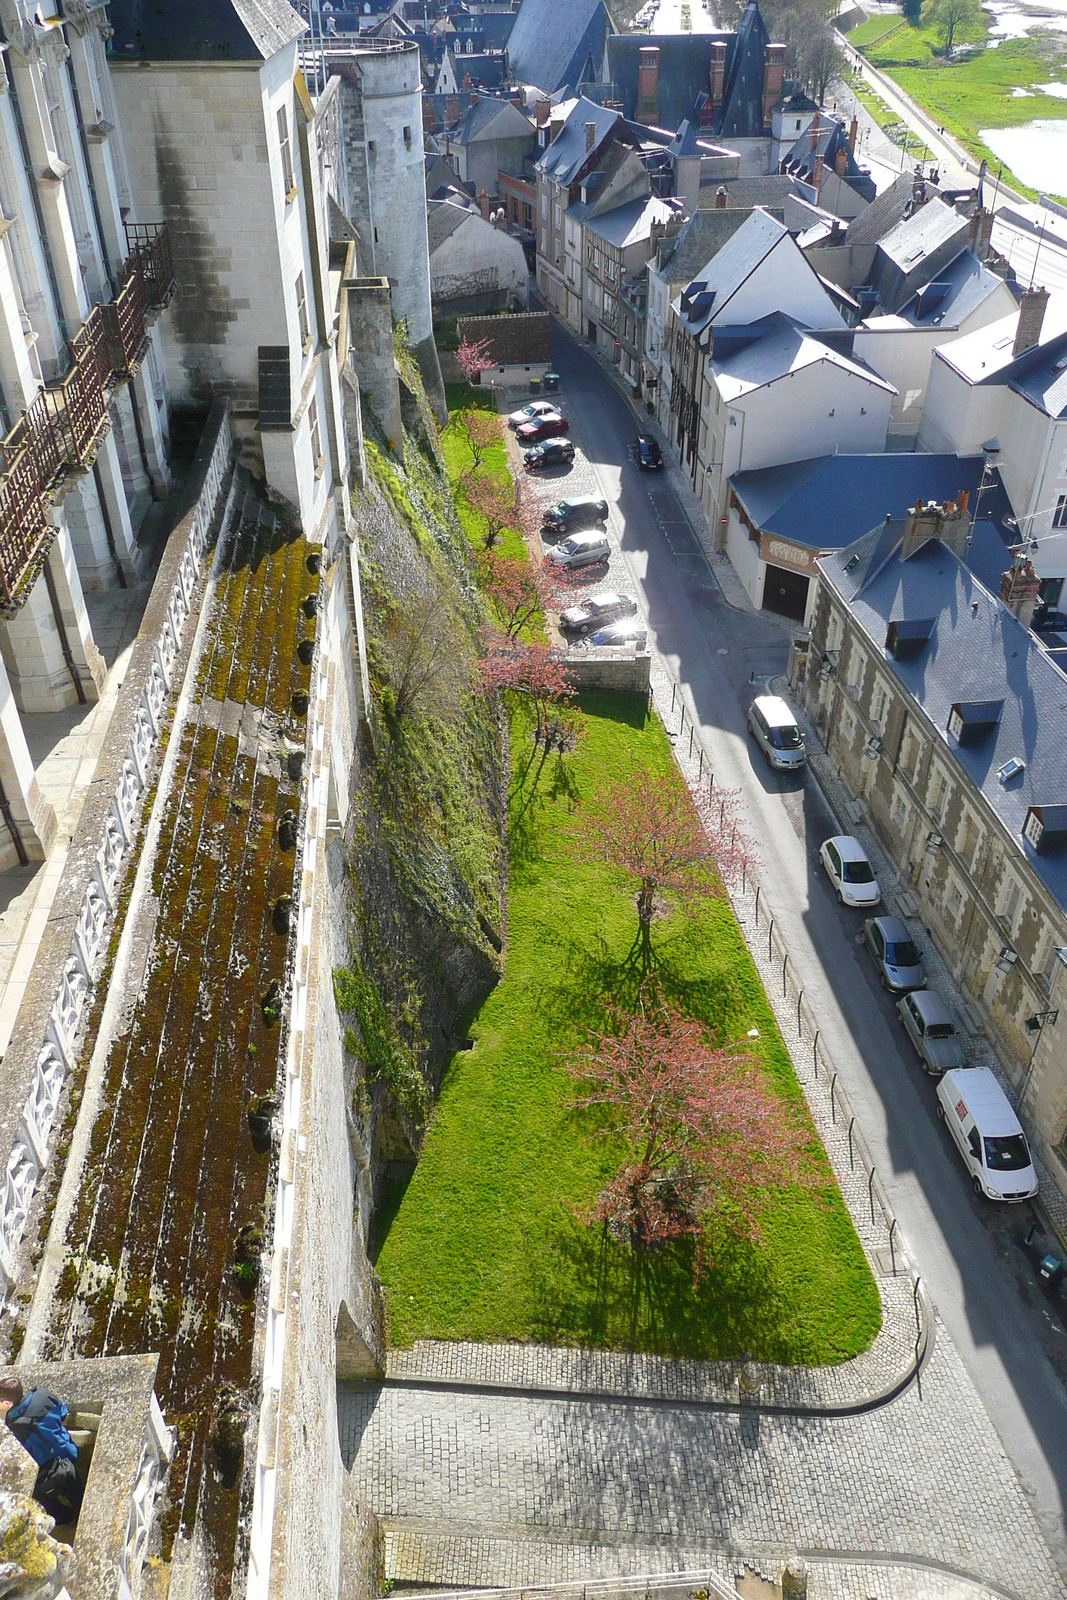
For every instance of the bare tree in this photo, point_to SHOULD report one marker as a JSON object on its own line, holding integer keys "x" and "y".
{"x": 426, "y": 667}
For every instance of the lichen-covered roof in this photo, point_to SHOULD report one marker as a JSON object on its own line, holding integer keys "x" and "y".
{"x": 202, "y": 30}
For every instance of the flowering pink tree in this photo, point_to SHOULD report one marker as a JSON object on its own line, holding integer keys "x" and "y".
{"x": 731, "y": 842}
{"x": 493, "y": 502}
{"x": 473, "y": 357}
{"x": 519, "y": 591}
{"x": 647, "y": 829}
{"x": 701, "y": 1128}
{"x": 536, "y": 672}
{"x": 481, "y": 430}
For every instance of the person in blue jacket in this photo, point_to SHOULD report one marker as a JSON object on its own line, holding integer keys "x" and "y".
{"x": 38, "y": 1421}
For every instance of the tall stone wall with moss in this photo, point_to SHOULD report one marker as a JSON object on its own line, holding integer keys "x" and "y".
{"x": 407, "y": 921}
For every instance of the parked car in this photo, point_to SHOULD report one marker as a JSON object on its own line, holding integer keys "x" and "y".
{"x": 646, "y": 453}
{"x": 986, "y": 1131}
{"x": 548, "y": 427}
{"x": 608, "y": 606}
{"x": 550, "y": 454}
{"x": 929, "y": 1025}
{"x": 1047, "y": 620}
{"x": 580, "y": 550}
{"x": 774, "y": 728}
{"x": 848, "y": 869}
{"x": 896, "y": 955}
{"x": 579, "y": 511}
{"x": 531, "y": 412}
{"x": 632, "y": 630}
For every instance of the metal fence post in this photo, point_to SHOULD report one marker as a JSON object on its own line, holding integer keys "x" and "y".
{"x": 815, "y": 1052}
{"x": 674, "y": 691}
{"x": 870, "y": 1193}
{"x": 892, "y": 1251}
{"x": 785, "y": 963}
{"x": 851, "y": 1157}
{"x": 757, "y": 905}
{"x": 770, "y": 936}
{"x": 833, "y": 1107}
{"x": 800, "y": 998}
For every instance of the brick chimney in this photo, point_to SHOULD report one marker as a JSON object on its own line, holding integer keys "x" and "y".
{"x": 717, "y": 73}
{"x": 817, "y": 174}
{"x": 979, "y": 233}
{"x": 542, "y": 112}
{"x": 483, "y": 203}
{"x": 451, "y": 110}
{"x": 835, "y": 232}
{"x": 948, "y": 522}
{"x": 590, "y": 137}
{"x": 773, "y": 74}
{"x": 720, "y": 197}
{"x": 813, "y": 132}
{"x": 1031, "y": 316}
{"x": 841, "y": 162}
{"x": 648, "y": 82}
{"x": 473, "y": 96}
{"x": 429, "y": 117}
{"x": 853, "y": 129}
{"x": 1020, "y": 590}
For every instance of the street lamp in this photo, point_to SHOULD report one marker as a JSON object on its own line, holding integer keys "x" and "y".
{"x": 1036, "y": 1026}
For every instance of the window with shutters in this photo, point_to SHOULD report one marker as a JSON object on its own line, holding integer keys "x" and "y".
{"x": 900, "y": 812}
{"x": 939, "y": 793}
{"x": 288, "y": 185}
{"x": 302, "y": 314}
{"x": 879, "y": 705}
{"x": 316, "y": 437}
{"x": 1008, "y": 905}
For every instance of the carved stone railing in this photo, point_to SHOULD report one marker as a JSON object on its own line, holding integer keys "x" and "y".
{"x": 45, "y": 1040}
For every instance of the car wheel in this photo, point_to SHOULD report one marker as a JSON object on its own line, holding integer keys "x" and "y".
{"x": 976, "y": 1185}
{"x": 925, "y": 1066}
{"x": 883, "y": 981}
{"x": 940, "y": 1112}
{"x": 840, "y": 897}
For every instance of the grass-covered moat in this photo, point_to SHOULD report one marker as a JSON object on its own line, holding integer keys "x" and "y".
{"x": 488, "y": 1239}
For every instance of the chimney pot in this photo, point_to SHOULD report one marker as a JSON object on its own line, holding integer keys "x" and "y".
{"x": 543, "y": 109}
{"x": 835, "y": 231}
{"x": 720, "y": 198}
{"x": 1020, "y": 589}
{"x": 817, "y": 175}
{"x": 1031, "y": 316}
{"x": 841, "y": 162}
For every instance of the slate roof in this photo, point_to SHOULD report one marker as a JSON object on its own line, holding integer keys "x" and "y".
{"x": 442, "y": 220}
{"x": 830, "y": 139}
{"x": 733, "y": 264}
{"x": 522, "y": 339}
{"x": 947, "y": 300}
{"x": 684, "y": 68}
{"x": 977, "y": 651}
{"x": 559, "y": 46}
{"x": 762, "y": 352}
{"x": 914, "y": 252}
{"x": 685, "y": 143}
{"x": 202, "y": 30}
{"x": 769, "y": 190}
{"x": 693, "y": 246}
{"x": 883, "y": 213}
{"x": 486, "y": 110}
{"x": 486, "y": 30}
{"x": 742, "y": 99}
{"x": 628, "y": 224}
{"x": 827, "y": 502}
{"x": 567, "y": 154}
{"x": 984, "y": 357}
{"x": 1040, "y": 376}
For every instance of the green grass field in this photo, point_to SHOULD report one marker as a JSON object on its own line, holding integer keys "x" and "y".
{"x": 487, "y": 1240}
{"x": 975, "y": 93}
{"x": 871, "y": 31}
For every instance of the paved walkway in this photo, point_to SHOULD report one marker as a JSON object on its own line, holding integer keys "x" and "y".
{"x": 923, "y": 1480}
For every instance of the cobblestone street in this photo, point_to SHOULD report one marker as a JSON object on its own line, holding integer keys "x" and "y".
{"x": 918, "y": 1479}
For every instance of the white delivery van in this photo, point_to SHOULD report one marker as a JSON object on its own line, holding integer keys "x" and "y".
{"x": 975, "y": 1110}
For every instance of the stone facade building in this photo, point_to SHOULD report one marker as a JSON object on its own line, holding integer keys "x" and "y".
{"x": 945, "y": 720}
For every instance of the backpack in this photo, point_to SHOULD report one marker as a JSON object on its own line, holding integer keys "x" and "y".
{"x": 37, "y": 1423}
{"x": 58, "y": 1489}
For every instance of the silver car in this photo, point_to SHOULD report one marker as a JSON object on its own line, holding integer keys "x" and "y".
{"x": 580, "y": 550}
{"x": 597, "y": 611}
{"x": 631, "y": 631}
{"x": 896, "y": 955}
{"x": 929, "y": 1025}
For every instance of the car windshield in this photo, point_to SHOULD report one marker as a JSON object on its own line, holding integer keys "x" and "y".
{"x": 903, "y": 954}
{"x": 1007, "y": 1154}
{"x": 941, "y": 1030}
{"x": 785, "y": 738}
{"x": 858, "y": 872}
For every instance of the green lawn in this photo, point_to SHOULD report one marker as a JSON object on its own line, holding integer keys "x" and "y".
{"x": 974, "y": 93}
{"x": 487, "y": 1242}
{"x": 871, "y": 31}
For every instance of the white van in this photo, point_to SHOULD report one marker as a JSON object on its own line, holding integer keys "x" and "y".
{"x": 975, "y": 1110}
{"x": 774, "y": 728}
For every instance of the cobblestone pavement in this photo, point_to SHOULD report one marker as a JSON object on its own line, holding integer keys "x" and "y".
{"x": 923, "y": 1480}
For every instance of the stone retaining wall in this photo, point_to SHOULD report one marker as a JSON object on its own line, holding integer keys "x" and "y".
{"x": 45, "y": 1040}
{"x": 622, "y": 671}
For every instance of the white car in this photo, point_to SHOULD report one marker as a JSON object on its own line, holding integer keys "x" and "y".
{"x": 532, "y": 412}
{"x": 580, "y": 550}
{"x": 849, "y": 871}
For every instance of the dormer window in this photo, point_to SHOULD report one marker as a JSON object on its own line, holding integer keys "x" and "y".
{"x": 905, "y": 639}
{"x": 1046, "y": 827}
{"x": 971, "y": 721}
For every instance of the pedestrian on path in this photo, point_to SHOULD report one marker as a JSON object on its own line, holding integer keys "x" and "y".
{"x": 38, "y": 1421}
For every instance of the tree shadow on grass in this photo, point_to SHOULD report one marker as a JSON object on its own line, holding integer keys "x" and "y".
{"x": 595, "y": 1291}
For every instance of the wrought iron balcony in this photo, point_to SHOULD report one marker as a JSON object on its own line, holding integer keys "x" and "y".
{"x": 61, "y": 431}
